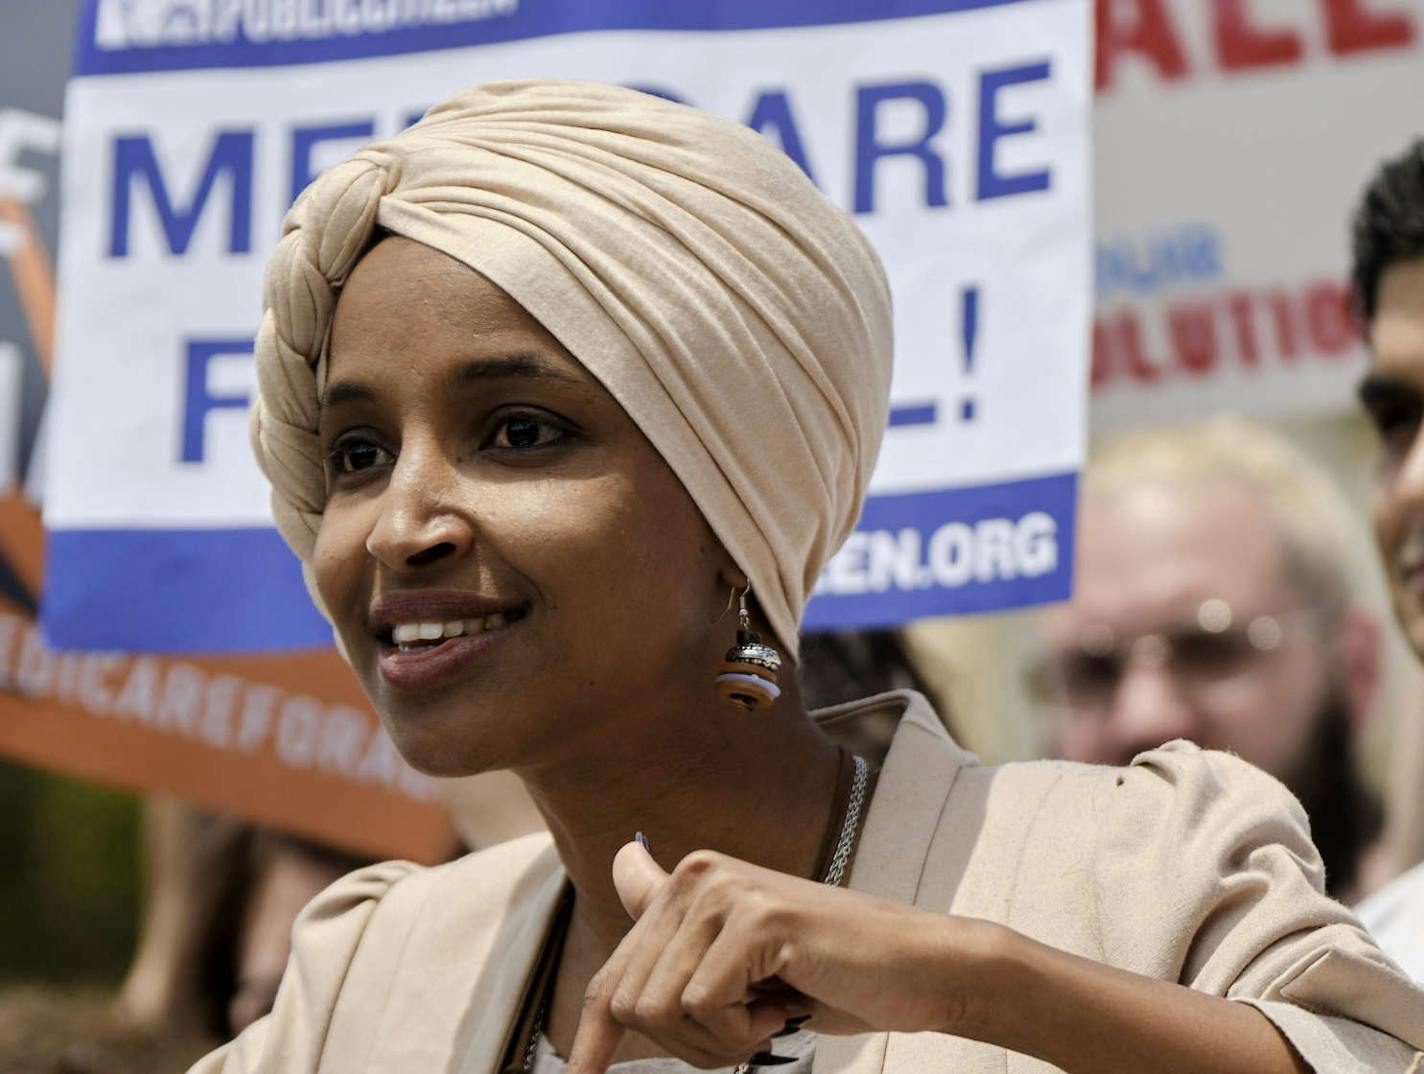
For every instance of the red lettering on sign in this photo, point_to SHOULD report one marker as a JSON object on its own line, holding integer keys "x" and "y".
{"x": 1192, "y": 327}
{"x": 1102, "y": 355}
{"x": 1351, "y": 27}
{"x": 1283, "y": 315}
{"x": 1203, "y": 336}
{"x": 1243, "y": 322}
{"x": 1139, "y": 366}
{"x": 1240, "y": 40}
{"x": 1146, "y": 30}
{"x": 1241, "y": 45}
{"x": 1328, "y": 318}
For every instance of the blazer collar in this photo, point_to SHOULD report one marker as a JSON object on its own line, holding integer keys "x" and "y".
{"x": 496, "y": 1000}
{"x": 918, "y": 761}
{"x": 911, "y": 795}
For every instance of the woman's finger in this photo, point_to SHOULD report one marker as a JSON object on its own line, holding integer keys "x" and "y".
{"x": 599, "y": 1030}
{"x": 719, "y": 993}
{"x": 659, "y": 1010}
{"x": 637, "y": 878}
{"x": 655, "y": 931}
{"x": 598, "y": 1034}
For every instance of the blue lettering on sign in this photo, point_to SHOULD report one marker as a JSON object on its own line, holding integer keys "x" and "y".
{"x": 993, "y": 183}
{"x": 305, "y": 139}
{"x": 198, "y": 399}
{"x": 1159, "y": 261}
{"x": 124, "y": 36}
{"x": 913, "y": 414}
{"x": 772, "y": 111}
{"x": 927, "y": 413}
{"x": 870, "y": 150}
{"x": 981, "y": 548}
{"x": 134, "y": 160}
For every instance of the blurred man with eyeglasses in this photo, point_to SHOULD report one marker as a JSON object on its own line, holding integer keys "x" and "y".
{"x": 1214, "y": 602}
{"x": 1388, "y": 283}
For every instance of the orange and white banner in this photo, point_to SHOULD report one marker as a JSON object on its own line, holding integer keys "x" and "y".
{"x": 287, "y": 741}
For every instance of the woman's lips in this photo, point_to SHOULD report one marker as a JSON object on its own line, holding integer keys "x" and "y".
{"x": 430, "y": 666}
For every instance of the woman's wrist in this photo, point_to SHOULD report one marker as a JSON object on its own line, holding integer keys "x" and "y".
{"x": 999, "y": 985}
{"x": 1016, "y": 993}
{"x": 980, "y": 964}
{"x": 1080, "y": 1015}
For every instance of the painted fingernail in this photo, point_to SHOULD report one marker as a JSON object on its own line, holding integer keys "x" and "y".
{"x": 793, "y": 1025}
{"x": 643, "y": 841}
{"x": 767, "y": 1059}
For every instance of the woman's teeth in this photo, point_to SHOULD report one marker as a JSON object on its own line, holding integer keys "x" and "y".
{"x": 410, "y": 636}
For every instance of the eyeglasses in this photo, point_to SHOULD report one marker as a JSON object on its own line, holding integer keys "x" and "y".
{"x": 1210, "y": 658}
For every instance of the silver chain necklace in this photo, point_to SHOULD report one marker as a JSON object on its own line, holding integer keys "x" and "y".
{"x": 835, "y": 874}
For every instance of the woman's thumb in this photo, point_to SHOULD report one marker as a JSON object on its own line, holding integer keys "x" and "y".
{"x": 637, "y": 878}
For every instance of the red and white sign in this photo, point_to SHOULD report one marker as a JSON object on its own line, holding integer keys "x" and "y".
{"x": 1232, "y": 140}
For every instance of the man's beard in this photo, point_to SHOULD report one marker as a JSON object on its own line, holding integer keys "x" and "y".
{"x": 1345, "y": 817}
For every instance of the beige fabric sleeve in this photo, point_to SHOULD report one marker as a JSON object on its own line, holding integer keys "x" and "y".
{"x": 1207, "y": 876}
{"x": 325, "y": 937}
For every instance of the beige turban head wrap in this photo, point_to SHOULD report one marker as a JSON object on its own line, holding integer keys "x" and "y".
{"x": 741, "y": 319}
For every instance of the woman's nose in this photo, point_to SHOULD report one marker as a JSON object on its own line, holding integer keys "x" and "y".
{"x": 420, "y": 522}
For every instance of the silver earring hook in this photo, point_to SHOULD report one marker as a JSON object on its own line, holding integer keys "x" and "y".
{"x": 732, "y": 599}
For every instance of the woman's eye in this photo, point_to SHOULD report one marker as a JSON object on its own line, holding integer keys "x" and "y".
{"x": 524, "y": 433}
{"x": 353, "y": 456}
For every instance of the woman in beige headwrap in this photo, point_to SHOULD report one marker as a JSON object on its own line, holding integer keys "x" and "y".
{"x": 547, "y": 382}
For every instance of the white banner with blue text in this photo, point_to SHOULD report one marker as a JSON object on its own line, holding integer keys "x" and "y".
{"x": 955, "y": 131}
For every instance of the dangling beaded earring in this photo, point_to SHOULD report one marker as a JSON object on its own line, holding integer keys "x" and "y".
{"x": 748, "y": 678}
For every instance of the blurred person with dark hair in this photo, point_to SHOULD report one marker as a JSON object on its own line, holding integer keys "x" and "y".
{"x": 841, "y": 666}
{"x": 1388, "y": 281}
{"x": 1213, "y": 602}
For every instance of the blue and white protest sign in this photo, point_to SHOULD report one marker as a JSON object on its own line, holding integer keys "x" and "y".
{"x": 955, "y": 131}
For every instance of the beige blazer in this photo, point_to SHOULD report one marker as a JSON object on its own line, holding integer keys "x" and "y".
{"x": 1187, "y": 865}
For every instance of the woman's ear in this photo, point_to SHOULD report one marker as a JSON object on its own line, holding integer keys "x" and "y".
{"x": 732, "y": 575}
{"x": 729, "y": 575}
{"x": 737, "y": 582}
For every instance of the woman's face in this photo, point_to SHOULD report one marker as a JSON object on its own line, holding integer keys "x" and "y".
{"x": 507, "y": 559}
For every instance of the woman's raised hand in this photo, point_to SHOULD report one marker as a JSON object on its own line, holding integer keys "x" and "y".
{"x": 722, "y": 953}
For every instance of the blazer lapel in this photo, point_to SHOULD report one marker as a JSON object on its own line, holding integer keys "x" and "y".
{"x": 911, "y": 794}
{"x": 497, "y": 998}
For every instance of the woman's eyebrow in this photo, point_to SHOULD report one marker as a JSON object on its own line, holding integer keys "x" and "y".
{"x": 526, "y": 366}
{"x": 345, "y": 391}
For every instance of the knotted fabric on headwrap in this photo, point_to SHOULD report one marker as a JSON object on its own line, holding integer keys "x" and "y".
{"x": 741, "y": 319}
